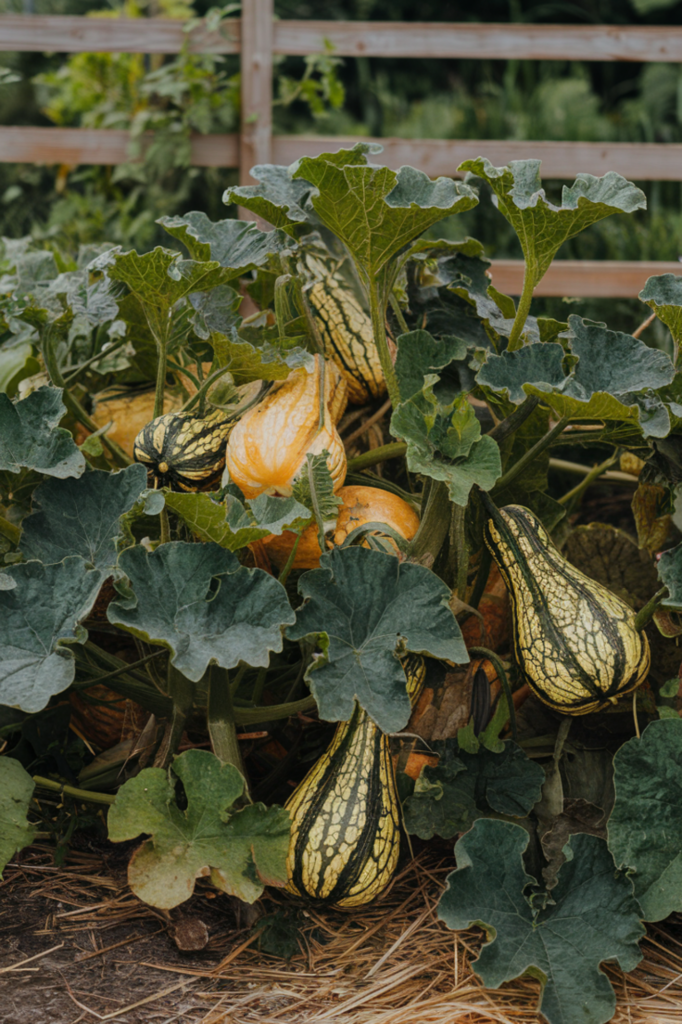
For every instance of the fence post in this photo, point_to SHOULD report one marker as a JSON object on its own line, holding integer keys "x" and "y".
{"x": 255, "y": 140}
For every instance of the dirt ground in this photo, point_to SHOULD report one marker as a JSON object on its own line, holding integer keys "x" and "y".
{"x": 77, "y": 946}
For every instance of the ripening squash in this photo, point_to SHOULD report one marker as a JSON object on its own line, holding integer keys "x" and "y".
{"x": 345, "y": 814}
{"x": 348, "y": 338}
{"x": 360, "y": 505}
{"x": 268, "y": 446}
{"x": 574, "y": 640}
{"x": 184, "y": 451}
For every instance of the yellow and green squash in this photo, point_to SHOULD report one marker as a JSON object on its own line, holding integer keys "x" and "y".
{"x": 345, "y": 830}
{"x": 184, "y": 451}
{"x": 575, "y": 642}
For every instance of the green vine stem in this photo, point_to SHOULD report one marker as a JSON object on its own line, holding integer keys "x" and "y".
{"x": 522, "y": 311}
{"x": 387, "y": 451}
{"x": 9, "y": 530}
{"x": 459, "y": 543}
{"x": 165, "y": 526}
{"x": 572, "y": 497}
{"x": 73, "y": 405}
{"x": 435, "y": 523}
{"x": 398, "y": 313}
{"x": 506, "y": 427}
{"x": 484, "y": 652}
{"x": 531, "y": 454}
{"x": 284, "y": 575}
{"x": 181, "y": 692}
{"x": 646, "y": 614}
{"x": 220, "y": 718}
{"x": 160, "y": 377}
{"x": 377, "y": 314}
{"x": 77, "y": 794}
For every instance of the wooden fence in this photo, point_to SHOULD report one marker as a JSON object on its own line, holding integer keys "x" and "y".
{"x": 257, "y": 37}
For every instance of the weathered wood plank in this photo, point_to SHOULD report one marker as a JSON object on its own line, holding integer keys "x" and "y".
{"x": 447, "y": 40}
{"x": 643, "y": 162}
{"x": 101, "y": 146}
{"x": 469, "y": 40}
{"x": 602, "y": 279}
{"x": 647, "y": 161}
{"x": 256, "y": 79}
{"x": 62, "y": 33}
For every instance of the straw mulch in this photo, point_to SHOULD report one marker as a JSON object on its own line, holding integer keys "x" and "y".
{"x": 77, "y": 946}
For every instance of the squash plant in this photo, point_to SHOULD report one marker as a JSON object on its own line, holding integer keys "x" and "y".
{"x": 144, "y": 567}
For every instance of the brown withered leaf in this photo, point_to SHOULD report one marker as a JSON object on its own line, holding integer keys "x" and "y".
{"x": 609, "y": 556}
{"x": 651, "y": 509}
{"x": 577, "y": 816}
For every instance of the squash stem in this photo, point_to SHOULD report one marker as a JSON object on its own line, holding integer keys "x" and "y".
{"x": 484, "y": 652}
{"x": 522, "y": 311}
{"x": 379, "y": 330}
{"x": 160, "y": 378}
{"x": 646, "y": 614}
{"x": 481, "y": 577}
{"x": 221, "y": 724}
{"x": 316, "y": 503}
{"x": 10, "y": 530}
{"x": 531, "y": 454}
{"x": 572, "y": 497}
{"x": 373, "y": 458}
{"x": 398, "y": 313}
{"x": 459, "y": 542}
{"x": 165, "y": 525}
{"x": 434, "y": 525}
{"x": 505, "y": 428}
{"x": 284, "y": 575}
{"x": 181, "y": 691}
{"x": 72, "y": 791}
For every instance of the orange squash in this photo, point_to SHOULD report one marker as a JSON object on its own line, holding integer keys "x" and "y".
{"x": 360, "y": 505}
{"x": 267, "y": 448}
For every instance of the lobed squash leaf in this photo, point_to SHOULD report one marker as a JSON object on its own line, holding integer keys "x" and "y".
{"x": 233, "y": 525}
{"x": 645, "y": 826}
{"x": 463, "y": 787}
{"x": 237, "y": 245}
{"x": 39, "y": 616}
{"x": 591, "y": 916}
{"x": 371, "y": 608}
{"x": 542, "y": 227}
{"x": 213, "y": 610}
{"x": 278, "y": 198}
{"x": 663, "y": 294}
{"x": 81, "y": 517}
{"x": 16, "y": 790}
{"x": 31, "y": 438}
{"x": 243, "y": 849}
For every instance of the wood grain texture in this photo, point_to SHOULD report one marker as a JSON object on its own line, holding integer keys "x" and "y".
{"x": 255, "y": 143}
{"x": 106, "y": 146}
{"x": 604, "y": 279}
{"x": 447, "y": 40}
{"x": 62, "y": 33}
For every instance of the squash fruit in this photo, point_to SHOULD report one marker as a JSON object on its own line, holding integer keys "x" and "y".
{"x": 345, "y": 830}
{"x": 184, "y": 451}
{"x": 574, "y": 640}
{"x": 360, "y": 505}
{"x": 268, "y": 446}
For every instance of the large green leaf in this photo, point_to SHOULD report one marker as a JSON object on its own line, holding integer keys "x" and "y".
{"x": 420, "y": 354}
{"x": 448, "y": 798}
{"x": 247, "y": 362}
{"x": 670, "y": 574}
{"x": 592, "y": 916}
{"x": 233, "y": 525}
{"x": 199, "y": 602}
{"x": 31, "y": 438}
{"x": 243, "y": 849}
{"x": 664, "y": 294}
{"x": 645, "y": 827}
{"x": 372, "y": 608}
{"x": 16, "y": 790}
{"x": 444, "y": 442}
{"x": 237, "y": 245}
{"x": 81, "y": 517}
{"x": 542, "y": 227}
{"x": 160, "y": 278}
{"x": 614, "y": 377}
{"x": 377, "y": 212}
{"x": 38, "y": 617}
{"x": 277, "y": 198}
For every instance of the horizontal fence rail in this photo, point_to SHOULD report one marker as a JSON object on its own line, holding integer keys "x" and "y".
{"x": 563, "y": 160}
{"x": 257, "y": 37}
{"x": 443, "y": 40}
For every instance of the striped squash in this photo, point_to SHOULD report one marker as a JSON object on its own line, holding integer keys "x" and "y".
{"x": 184, "y": 451}
{"x": 348, "y": 338}
{"x": 574, "y": 640}
{"x": 345, "y": 832}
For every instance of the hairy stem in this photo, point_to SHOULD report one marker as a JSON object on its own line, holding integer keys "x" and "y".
{"x": 646, "y": 614}
{"x": 77, "y": 794}
{"x": 571, "y": 498}
{"x": 505, "y": 428}
{"x": 221, "y": 723}
{"x": 434, "y": 525}
{"x": 522, "y": 311}
{"x": 379, "y": 331}
{"x": 377, "y": 455}
{"x": 398, "y": 313}
{"x": 531, "y": 454}
{"x": 181, "y": 691}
